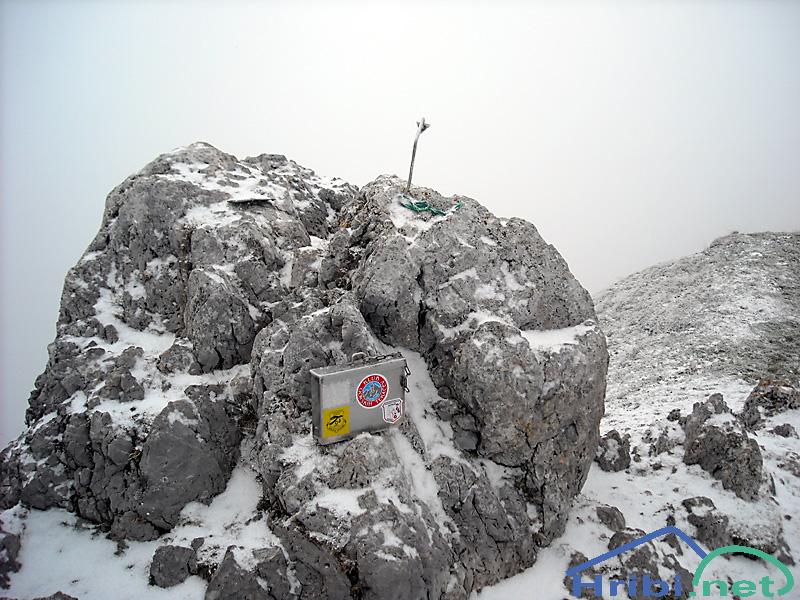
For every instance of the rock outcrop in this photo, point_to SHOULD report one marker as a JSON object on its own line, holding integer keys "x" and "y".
{"x": 716, "y": 440}
{"x": 768, "y": 399}
{"x": 171, "y": 565}
{"x": 614, "y": 452}
{"x": 184, "y": 341}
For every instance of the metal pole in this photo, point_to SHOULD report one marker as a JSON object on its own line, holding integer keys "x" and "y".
{"x": 421, "y": 126}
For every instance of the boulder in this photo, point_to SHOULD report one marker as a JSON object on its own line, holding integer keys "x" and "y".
{"x": 611, "y": 517}
{"x": 614, "y": 452}
{"x": 717, "y": 442}
{"x": 715, "y": 529}
{"x": 769, "y": 398}
{"x": 232, "y": 582}
{"x": 193, "y": 437}
{"x": 784, "y": 430}
{"x": 171, "y": 565}
{"x": 711, "y": 527}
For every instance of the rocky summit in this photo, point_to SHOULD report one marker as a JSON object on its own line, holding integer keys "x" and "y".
{"x": 175, "y": 408}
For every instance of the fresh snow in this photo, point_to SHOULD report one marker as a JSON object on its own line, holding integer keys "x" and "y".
{"x": 554, "y": 340}
{"x": 61, "y": 555}
{"x": 78, "y": 560}
{"x": 107, "y": 313}
{"x": 436, "y": 434}
{"x": 409, "y": 223}
{"x": 248, "y": 188}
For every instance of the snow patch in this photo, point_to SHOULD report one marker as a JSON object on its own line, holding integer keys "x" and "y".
{"x": 553, "y": 340}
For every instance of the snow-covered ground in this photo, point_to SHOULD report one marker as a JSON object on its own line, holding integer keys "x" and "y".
{"x": 83, "y": 563}
{"x": 59, "y": 553}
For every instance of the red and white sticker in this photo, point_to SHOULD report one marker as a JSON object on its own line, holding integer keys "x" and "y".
{"x": 372, "y": 390}
{"x": 393, "y": 410}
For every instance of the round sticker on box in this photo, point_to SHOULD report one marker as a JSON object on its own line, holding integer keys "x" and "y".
{"x": 372, "y": 390}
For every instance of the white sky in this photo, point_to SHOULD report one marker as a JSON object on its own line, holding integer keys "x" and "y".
{"x": 628, "y": 132}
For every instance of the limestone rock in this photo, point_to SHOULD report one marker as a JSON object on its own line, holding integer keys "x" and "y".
{"x": 188, "y": 455}
{"x": 717, "y": 442}
{"x": 171, "y": 565}
{"x": 614, "y": 452}
{"x": 784, "y": 430}
{"x": 611, "y": 517}
{"x": 711, "y": 527}
{"x": 183, "y": 348}
{"x": 453, "y": 286}
{"x": 768, "y": 399}
{"x": 232, "y": 582}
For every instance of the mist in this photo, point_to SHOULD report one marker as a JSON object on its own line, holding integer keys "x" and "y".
{"x": 629, "y": 133}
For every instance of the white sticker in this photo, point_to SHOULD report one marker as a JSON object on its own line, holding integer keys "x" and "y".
{"x": 393, "y": 410}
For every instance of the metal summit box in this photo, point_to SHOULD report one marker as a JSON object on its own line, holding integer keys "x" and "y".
{"x": 368, "y": 394}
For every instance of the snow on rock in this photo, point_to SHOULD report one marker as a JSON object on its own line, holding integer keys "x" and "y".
{"x": 82, "y": 563}
{"x": 430, "y": 294}
{"x": 724, "y": 317}
{"x": 156, "y": 325}
{"x": 60, "y": 554}
{"x": 174, "y": 412}
{"x": 688, "y": 341}
{"x": 553, "y": 340}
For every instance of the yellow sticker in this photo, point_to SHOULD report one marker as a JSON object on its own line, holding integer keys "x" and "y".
{"x": 336, "y": 421}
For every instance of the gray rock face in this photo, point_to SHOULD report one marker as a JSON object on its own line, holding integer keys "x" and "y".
{"x": 232, "y": 582}
{"x": 614, "y": 452}
{"x": 187, "y": 332}
{"x": 217, "y": 321}
{"x": 711, "y": 527}
{"x": 717, "y": 442}
{"x": 451, "y": 286}
{"x": 611, "y": 517}
{"x": 768, "y": 399}
{"x": 272, "y": 567}
{"x": 193, "y": 437}
{"x": 171, "y": 565}
{"x": 123, "y": 427}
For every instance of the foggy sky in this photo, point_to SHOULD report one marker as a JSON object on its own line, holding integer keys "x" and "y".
{"x": 628, "y": 133}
